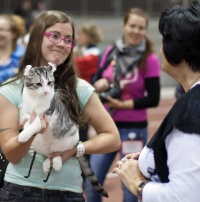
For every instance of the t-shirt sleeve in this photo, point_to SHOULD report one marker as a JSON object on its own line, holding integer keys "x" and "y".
{"x": 152, "y": 66}
{"x": 84, "y": 91}
{"x": 13, "y": 92}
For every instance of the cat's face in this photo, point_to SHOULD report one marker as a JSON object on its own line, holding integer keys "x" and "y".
{"x": 39, "y": 80}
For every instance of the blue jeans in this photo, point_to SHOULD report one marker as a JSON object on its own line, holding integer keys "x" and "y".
{"x": 101, "y": 163}
{"x": 16, "y": 193}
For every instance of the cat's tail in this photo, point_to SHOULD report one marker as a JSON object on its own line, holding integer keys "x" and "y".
{"x": 88, "y": 172}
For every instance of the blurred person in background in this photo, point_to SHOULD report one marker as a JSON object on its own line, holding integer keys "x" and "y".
{"x": 40, "y": 8}
{"x": 11, "y": 28}
{"x": 87, "y": 56}
{"x": 25, "y": 38}
{"x": 128, "y": 82}
{"x": 24, "y": 10}
{"x": 21, "y": 24}
{"x": 87, "y": 53}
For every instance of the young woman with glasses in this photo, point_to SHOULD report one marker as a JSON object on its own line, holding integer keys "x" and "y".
{"x": 51, "y": 40}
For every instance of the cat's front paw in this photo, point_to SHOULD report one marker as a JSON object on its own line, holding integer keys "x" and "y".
{"x": 47, "y": 166}
{"x": 57, "y": 163}
{"x": 23, "y": 137}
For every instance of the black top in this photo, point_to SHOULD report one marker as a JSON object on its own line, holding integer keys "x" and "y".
{"x": 183, "y": 116}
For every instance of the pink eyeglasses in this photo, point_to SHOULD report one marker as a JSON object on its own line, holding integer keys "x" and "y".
{"x": 56, "y": 38}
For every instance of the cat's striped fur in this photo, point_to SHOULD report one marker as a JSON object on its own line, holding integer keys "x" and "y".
{"x": 62, "y": 133}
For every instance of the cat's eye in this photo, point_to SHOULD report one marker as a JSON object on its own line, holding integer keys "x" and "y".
{"x": 50, "y": 83}
{"x": 38, "y": 84}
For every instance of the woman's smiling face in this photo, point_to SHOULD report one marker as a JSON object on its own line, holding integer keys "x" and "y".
{"x": 134, "y": 30}
{"x": 6, "y": 34}
{"x": 56, "y": 53}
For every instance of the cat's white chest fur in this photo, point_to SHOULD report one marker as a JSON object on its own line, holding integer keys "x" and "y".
{"x": 33, "y": 103}
{"x": 38, "y": 94}
{"x": 47, "y": 143}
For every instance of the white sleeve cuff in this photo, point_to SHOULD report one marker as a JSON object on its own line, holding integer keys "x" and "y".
{"x": 150, "y": 192}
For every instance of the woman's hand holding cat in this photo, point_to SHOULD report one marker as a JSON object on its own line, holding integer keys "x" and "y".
{"x": 22, "y": 123}
{"x": 43, "y": 119}
{"x": 64, "y": 154}
{"x": 44, "y": 122}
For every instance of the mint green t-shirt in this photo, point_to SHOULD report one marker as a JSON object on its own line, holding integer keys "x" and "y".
{"x": 69, "y": 177}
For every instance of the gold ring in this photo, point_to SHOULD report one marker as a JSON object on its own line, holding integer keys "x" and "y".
{"x": 120, "y": 165}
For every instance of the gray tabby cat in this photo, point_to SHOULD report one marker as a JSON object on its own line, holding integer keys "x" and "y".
{"x": 62, "y": 133}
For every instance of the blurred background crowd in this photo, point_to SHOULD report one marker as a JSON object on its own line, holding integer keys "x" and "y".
{"x": 97, "y": 25}
{"x": 106, "y": 14}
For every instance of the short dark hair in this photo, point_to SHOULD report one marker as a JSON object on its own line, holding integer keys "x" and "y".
{"x": 180, "y": 29}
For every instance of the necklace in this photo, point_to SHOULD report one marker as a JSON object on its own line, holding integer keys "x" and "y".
{"x": 194, "y": 81}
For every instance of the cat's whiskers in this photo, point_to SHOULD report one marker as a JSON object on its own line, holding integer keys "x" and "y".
{"x": 57, "y": 98}
{"x": 59, "y": 95}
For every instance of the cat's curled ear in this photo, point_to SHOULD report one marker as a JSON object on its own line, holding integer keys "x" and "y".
{"x": 52, "y": 66}
{"x": 27, "y": 70}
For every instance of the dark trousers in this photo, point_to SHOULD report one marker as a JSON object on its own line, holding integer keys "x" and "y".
{"x": 16, "y": 193}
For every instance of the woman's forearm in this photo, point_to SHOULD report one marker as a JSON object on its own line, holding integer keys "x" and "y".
{"x": 14, "y": 150}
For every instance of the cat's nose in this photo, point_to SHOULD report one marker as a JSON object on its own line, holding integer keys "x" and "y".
{"x": 45, "y": 92}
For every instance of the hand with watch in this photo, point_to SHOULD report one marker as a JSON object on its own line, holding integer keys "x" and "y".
{"x": 78, "y": 151}
{"x": 130, "y": 174}
{"x": 140, "y": 189}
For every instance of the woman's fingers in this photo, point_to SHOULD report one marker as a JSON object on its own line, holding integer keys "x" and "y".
{"x": 33, "y": 116}
{"x": 101, "y": 85}
{"x": 22, "y": 123}
{"x": 44, "y": 123}
{"x": 43, "y": 120}
{"x": 46, "y": 119}
{"x": 133, "y": 156}
{"x": 119, "y": 164}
